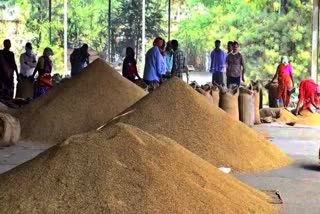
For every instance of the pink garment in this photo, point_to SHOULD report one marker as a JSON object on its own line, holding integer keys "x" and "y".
{"x": 288, "y": 70}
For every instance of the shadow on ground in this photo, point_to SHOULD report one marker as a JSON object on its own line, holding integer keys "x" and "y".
{"x": 312, "y": 167}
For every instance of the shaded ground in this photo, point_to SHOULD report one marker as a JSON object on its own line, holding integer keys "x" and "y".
{"x": 298, "y": 184}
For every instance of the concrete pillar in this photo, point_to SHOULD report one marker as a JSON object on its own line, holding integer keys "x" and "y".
{"x": 315, "y": 40}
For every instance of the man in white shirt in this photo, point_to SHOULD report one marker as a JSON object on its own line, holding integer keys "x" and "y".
{"x": 28, "y": 61}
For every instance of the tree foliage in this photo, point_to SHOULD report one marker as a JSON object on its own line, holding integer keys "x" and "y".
{"x": 264, "y": 32}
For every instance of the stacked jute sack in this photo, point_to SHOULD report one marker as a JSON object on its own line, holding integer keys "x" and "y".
{"x": 210, "y": 91}
{"x": 241, "y": 103}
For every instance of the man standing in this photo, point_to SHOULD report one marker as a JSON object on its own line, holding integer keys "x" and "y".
{"x": 79, "y": 59}
{"x": 178, "y": 60}
{"x": 218, "y": 58}
{"x": 153, "y": 68}
{"x": 235, "y": 66}
{"x": 28, "y": 61}
{"x": 8, "y": 67}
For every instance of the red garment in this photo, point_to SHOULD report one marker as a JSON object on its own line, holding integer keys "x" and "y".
{"x": 284, "y": 81}
{"x": 307, "y": 92}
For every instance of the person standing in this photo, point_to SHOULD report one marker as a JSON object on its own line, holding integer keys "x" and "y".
{"x": 285, "y": 81}
{"x": 235, "y": 66}
{"x": 153, "y": 64}
{"x": 218, "y": 58}
{"x": 8, "y": 67}
{"x": 44, "y": 69}
{"x": 28, "y": 61}
{"x": 168, "y": 57}
{"x": 178, "y": 60}
{"x": 230, "y": 47}
{"x": 309, "y": 95}
{"x": 79, "y": 59}
{"x": 129, "y": 67}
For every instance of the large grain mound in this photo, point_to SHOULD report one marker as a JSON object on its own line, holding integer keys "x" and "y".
{"x": 177, "y": 111}
{"x": 124, "y": 170}
{"x": 78, "y": 105}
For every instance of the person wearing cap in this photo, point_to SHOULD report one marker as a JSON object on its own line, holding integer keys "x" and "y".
{"x": 79, "y": 59}
{"x": 8, "y": 67}
{"x": 43, "y": 68}
{"x": 285, "y": 82}
{"x": 309, "y": 95}
{"x": 28, "y": 61}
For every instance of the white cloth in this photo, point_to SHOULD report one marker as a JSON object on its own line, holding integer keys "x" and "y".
{"x": 27, "y": 64}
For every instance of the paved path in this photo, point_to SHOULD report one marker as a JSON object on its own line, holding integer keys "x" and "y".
{"x": 298, "y": 184}
{"x": 18, "y": 154}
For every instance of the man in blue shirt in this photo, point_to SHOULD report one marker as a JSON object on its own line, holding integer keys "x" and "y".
{"x": 153, "y": 66}
{"x": 218, "y": 59}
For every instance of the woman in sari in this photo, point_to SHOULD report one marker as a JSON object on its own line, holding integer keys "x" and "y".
{"x": 44, "y": 68}
{"x": 285, "y": 82}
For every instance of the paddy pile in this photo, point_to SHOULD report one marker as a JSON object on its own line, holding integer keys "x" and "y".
{"x": 123, "y": 169}
{"x": 177, "y": 111}
{"x": 80, "y": 104}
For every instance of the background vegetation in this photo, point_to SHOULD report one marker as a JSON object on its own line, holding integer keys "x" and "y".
{"x": 266, "y": 29}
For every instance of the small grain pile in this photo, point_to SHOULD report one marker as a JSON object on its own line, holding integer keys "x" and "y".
{"x": 179, "y": 112}
{"x": 286, "y": 117}
{"x": 122, "y": 169}
{"x": 308, "y": 118}
{"x": 80, "y": 104}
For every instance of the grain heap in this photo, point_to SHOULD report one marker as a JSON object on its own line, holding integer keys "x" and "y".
{"x": 78, "y": 105}
{"x": 308, "y": 118}
{"x": 179, "y": 112}
{"x": 286, "y": 117}
{"x": 122, "y": 169}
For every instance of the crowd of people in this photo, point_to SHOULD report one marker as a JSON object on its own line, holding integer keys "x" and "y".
{"x": 31, "y": 67}
{"x": 162, "y": 61}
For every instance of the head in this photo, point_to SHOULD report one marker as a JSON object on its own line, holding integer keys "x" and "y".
{"x": 163, "y": 47}
{"x": 28, "y": 48}
{"x": 47, "y": 52}
{"x": 217, "y": 43}
{"x": 129, "y": 52}
{"x": 158, "y": 41}
{"x": 230, "y": 46}
{"x": 235, "y": 47}
{"x": 284, "y": 60}
{"x": 175, "y": 44}
{"x": 84, "y": 48}
{"x": 7, "y": 44}
{"x": 169, "y": 46}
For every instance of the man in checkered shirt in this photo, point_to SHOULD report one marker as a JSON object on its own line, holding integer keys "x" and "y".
{"x": 178, "y": 60}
